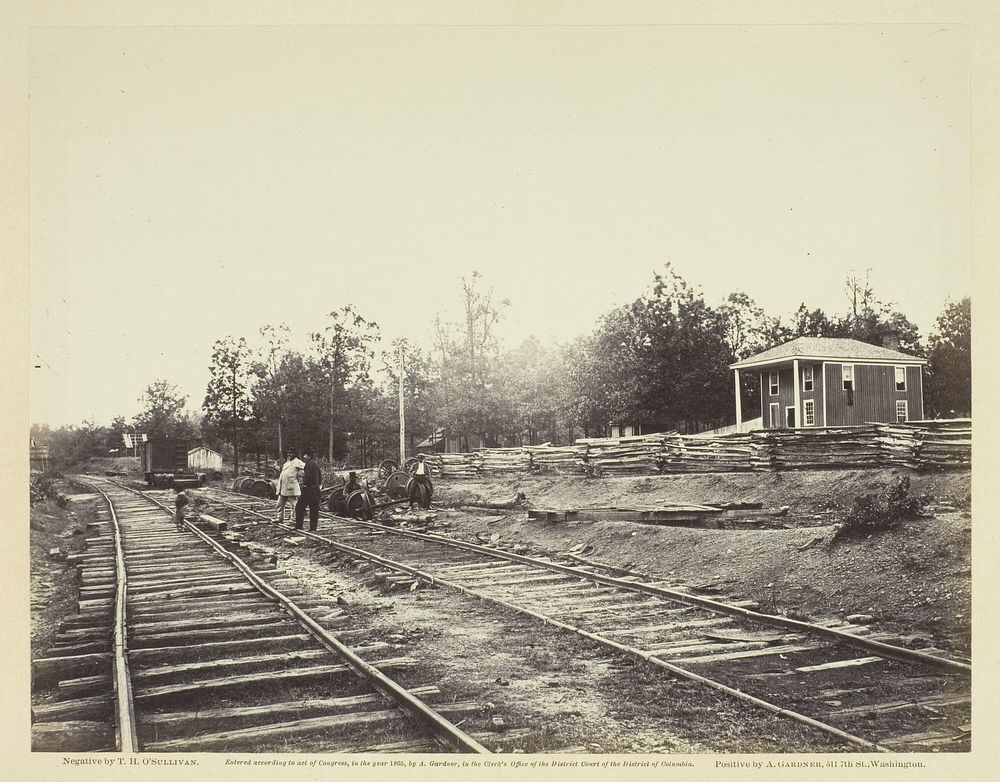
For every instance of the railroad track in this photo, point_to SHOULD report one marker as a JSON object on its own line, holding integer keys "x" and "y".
{"x": 181, "y": 646}
{"x": 866, "y": 689}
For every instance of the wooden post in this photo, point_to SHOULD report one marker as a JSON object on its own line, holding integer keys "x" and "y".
{"x": 739, "y": 401}
{"x": 798, "y": 392}
{"x": 402, "y": 418}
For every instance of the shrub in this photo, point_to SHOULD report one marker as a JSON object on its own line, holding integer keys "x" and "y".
{"x": 877, "y": 512}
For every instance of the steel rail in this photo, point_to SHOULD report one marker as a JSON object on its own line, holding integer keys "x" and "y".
{"x": 126, "y": 735}
{"x": 623, "y": 648}
{"x": 889, "y": 651}
{"x": 443, "y": 730}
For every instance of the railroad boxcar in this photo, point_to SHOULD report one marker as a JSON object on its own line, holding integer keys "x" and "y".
{"x": 165, "y": 463}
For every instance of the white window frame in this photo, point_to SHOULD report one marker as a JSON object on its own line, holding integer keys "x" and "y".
{"x": 846, "y": 369}
{"x": 773, "y": 382}
{"x": 900, "y": 384}
{"x": 905, "y": 409}
{"x": 807, "y": 377}
{"x": 809, "y": 412}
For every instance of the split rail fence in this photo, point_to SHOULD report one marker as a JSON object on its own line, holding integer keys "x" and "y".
{"x": 919, "y": 445}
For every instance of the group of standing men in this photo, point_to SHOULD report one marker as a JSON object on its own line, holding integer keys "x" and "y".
{"x": 300, "y": 481}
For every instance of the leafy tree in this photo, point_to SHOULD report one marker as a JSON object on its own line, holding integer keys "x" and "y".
{"x": 163, "y": 412}
{"x": 811, "y": 323}
{"x": 270, "y": 388}
{"x": 343, "y": 352}
{"x": 419, "y": 379}
{"x": 532, "y": 389}
{"x": 468, "y": 398}
{"x": 227, "y": 402}
{"x": 116, "y": 431}
{"x": 870, "y": 319}
{"x": 746, "y": 328}
{"x": 70, "y": 445}
{"x": 949, "y": 369}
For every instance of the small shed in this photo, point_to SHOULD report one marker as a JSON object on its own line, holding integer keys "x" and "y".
{"x": 202, "y": 458}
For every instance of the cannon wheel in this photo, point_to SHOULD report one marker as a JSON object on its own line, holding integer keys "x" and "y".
{"x": 359, "y": 504}
{"x": 419, "y": 493}
{"x": 262, "y": 489}
{"x": 410, "y": 465}
{"x": 387, "y": 468}
{"x": 395, "y": 485}
{"x": 335, "y": 501}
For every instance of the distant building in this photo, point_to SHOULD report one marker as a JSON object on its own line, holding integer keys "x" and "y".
{"x": 822, "y": 381}
{"x": 202, "y": 458}
{"x": 442, "y": 441}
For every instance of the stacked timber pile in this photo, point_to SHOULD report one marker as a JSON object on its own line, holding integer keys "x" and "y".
{"x": 559, "y": 459}
{"x": 433, "y": 462}
{"x": 504, "y": 460}
{"x": 459, "y": 465}
{"x": 847, "y": 446}
{"x": 625, "y": 455}
{"x": 701, "y": 453}
{"x": 927, "y": 444}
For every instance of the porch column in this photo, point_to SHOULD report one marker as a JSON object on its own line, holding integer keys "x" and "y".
{"x": 739, "y": 401}
{"x": 798, "y": 392}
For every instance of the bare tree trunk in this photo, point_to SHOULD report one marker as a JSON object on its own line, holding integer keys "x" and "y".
{"x": 330, "y": 441}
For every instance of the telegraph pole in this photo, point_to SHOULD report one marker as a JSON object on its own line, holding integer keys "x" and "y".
{"x": 402, "y": 418}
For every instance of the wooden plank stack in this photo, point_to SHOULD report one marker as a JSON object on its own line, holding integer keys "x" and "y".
{"x": 625, "y": 455}
{"x": 926, "y": 444}
{"x": 788, "y": 449}
{"x": 459, "y": 465}
{"x": 916, "y": 444}
{"x": 697, "y": 453}
{"x": 504, "y": 460}
{"x": 567, "y": 459}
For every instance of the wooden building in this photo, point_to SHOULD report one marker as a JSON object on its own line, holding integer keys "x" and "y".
{"x": 823, "y": 381}
{"x": 444, "y": 441}
{"x": 202, "y": 458}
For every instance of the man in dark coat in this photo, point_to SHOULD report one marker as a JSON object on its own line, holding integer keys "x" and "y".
{"x": 312, "y": 481}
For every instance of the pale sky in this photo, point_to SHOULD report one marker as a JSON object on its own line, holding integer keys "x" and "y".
{"x": 193, "y": 183}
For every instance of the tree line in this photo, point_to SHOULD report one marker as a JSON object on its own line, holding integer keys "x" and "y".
{"x": 660, "y": 361}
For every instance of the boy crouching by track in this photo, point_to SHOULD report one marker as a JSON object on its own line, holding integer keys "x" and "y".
{"x": 180, "y": 502}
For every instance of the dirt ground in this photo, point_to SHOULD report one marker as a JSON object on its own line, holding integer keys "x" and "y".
{"x": 54, "y": 587}
{"x": 914, "y": 581}
{"x": 573, "y": 696}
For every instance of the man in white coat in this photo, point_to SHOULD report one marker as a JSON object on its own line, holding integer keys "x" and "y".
{"x": 288, "y": 485}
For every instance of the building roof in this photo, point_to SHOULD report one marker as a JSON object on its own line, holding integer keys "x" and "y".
{"x": 827, "y": 349}
{"x": 203, "y": 448}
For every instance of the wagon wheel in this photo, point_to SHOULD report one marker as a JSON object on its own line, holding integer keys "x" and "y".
{"x": 410, "y": 465}
{"x": 359, "y": 504}
{"x": 387, "y": 468}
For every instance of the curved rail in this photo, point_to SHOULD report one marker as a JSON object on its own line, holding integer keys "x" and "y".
{"x": 126, "y": 736}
